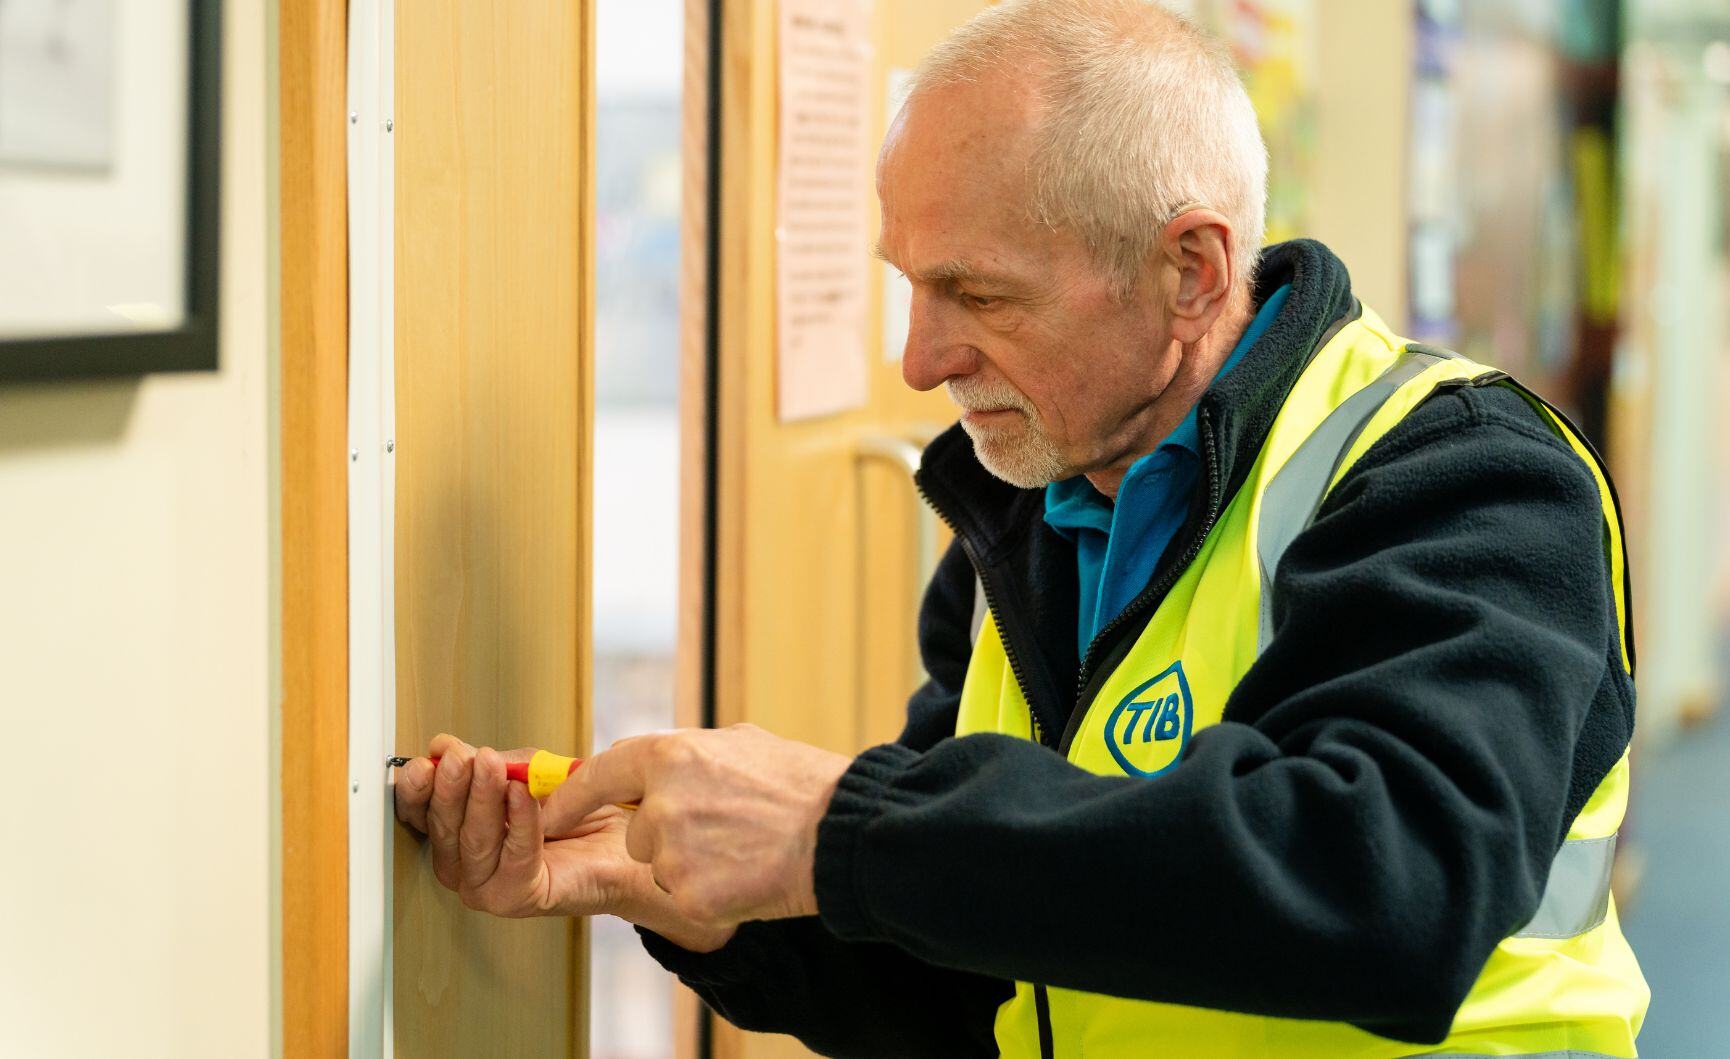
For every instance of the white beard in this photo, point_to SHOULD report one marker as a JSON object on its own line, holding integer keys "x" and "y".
{"x": 1018, "y": 451}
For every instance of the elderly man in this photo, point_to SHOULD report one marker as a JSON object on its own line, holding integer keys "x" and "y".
{"x": 1280, "y": 672}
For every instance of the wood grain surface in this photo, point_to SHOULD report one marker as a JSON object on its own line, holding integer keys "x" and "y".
{"x": 494, "y": 287}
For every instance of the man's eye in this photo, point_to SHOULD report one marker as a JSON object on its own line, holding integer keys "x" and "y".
{"x": 980, "y": 301}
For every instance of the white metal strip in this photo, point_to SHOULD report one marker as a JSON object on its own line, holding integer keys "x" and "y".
{"x": 371, "y": 512}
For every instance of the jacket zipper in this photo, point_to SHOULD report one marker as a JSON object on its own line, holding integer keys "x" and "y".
{"x": 1042, "y": 1008}
{"x": 1015, "y": 666}
{"x": 1153, "y": 593}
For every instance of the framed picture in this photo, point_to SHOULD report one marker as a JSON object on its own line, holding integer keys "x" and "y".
{"x": 110, "y": 164}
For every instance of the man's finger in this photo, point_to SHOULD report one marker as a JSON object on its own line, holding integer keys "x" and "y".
{"x": 483, "y": 826}
{"x": 413, "y": 782}
{"x": 521, "y": 855}
{"x": 442, "y": 743}
{"x": 614, "y": 775}
{"x": 445, "y": 812}
{"x": 413, "y": 789}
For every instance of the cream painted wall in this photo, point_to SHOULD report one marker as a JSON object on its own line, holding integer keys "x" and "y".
{"x": 1358, "y": 202}
{"x": 136, "y": 608}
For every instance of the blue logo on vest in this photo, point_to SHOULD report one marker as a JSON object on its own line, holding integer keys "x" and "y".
{"x": 1150, "y": 726}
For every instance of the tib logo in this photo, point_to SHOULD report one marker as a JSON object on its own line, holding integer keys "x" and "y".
{"x": 1150, "y": 726}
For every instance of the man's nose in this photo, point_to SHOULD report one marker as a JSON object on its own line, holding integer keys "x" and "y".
{"x": 937, "y": 349}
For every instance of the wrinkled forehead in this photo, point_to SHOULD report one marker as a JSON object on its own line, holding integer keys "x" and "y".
{"x": 954, "y": 164}
{"x": 979, "y": 128}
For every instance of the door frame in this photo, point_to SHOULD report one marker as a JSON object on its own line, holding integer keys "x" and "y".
{"x": 699, "y": 417}
{"x": 313, "y": 199}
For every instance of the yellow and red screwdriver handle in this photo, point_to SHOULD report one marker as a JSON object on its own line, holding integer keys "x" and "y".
{"x": 544, "y": 773}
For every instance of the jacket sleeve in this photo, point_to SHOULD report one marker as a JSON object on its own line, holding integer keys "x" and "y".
{"x": 1378, "y": 809}
{"x": 861, "y": 998}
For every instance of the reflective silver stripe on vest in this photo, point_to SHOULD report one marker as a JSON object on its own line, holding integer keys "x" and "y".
{"x": 1567, "y": 1053}
{"x": 1577, "y": 897}
{"x": 1296, "y": 492}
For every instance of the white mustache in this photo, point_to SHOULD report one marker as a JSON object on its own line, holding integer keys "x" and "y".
{"x": 976, "y": 394}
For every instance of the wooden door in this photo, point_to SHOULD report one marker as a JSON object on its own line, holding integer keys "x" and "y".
{"x": 493, "y": 290}
{"x": 814, "y": 598}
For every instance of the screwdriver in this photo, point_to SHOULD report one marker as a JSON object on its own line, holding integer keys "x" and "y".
{"x": 544, "y": 772}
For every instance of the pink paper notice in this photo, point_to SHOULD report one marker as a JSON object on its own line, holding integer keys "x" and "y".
{"x": 822, "y": 230}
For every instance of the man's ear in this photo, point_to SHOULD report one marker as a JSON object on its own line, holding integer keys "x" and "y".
{"x": 1196, "y": 245}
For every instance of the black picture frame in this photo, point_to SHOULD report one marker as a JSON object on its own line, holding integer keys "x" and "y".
{"x": 192, "y": 346}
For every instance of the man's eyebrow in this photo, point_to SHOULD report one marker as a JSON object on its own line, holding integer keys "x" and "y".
{"x": 954, "y": 269}
{"x": 957, "y": 270}
{"x": 960, "y": 271}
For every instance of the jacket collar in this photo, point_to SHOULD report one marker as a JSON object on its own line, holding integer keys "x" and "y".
{"x": 993, "y": 516}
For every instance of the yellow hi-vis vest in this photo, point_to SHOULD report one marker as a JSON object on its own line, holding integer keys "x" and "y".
{"x": 1565, "y": 985}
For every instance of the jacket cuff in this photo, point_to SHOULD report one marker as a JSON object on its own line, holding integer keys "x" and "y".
{"x": 740, "y": 960}
{"x": 860, "y": 797}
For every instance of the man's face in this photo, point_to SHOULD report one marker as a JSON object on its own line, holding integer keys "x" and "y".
{"x": 1053, "y": 371}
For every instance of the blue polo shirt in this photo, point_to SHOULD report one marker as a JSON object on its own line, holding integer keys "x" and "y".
{"x": 1117, "y": 546}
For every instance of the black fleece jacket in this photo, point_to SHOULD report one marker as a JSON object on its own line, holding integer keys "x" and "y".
{"x": 1377, "y": 810}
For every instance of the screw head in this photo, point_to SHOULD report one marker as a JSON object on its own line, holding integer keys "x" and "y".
{"x": 355, "y": 787}
{"x": 353, "y": 455}
{"x": 353, "y": 116}
{"x": 389, "y": 124}
{"x": 390, "y": 446}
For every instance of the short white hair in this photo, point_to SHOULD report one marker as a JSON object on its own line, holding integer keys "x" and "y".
{"x": 1144, "y": 116}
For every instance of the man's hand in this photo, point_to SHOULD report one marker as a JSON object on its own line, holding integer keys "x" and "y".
{"x": 488, "y": 844}
{"x": 728, "y": 823}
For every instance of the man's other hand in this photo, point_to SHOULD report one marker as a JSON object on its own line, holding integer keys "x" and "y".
{"x": 488, "y": 844}
{"x": 728, "y": 820}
